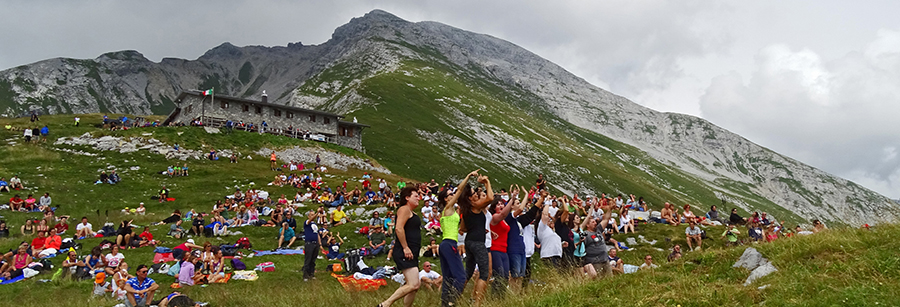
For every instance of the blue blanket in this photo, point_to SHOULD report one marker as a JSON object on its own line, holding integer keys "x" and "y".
{"x": 17, "y": 279}
{"x": 280, "y": 252}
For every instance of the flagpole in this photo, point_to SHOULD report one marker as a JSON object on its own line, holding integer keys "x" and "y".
{"x": 212, "y": 100}
{"x": 202, "y": 107}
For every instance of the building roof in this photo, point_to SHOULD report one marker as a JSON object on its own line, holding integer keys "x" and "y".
{"x": 258, "y": 103}
{"x": 343, "y": 123}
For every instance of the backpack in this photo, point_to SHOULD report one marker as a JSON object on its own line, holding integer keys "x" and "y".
{"x": 244, "y": 243}
{"x": 238, "y": 265}
{"x": 46, "y": 265}
{"x": 108, "y": 231}
{"x": 228, "y": 250}
{"x": 351, "y": 260}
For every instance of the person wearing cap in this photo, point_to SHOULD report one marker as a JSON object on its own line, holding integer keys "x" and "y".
{"x": 430, "y": 278}
{"x": 376, "y": 240}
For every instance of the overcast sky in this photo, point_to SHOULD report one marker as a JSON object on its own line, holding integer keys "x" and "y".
{"x": 818, "y": 80}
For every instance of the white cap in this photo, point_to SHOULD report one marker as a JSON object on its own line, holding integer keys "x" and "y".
{"x": 190, "y": 241}
{"x": 142, "y": 203}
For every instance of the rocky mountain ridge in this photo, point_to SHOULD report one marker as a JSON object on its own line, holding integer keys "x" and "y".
{"x": 508, "y": 111}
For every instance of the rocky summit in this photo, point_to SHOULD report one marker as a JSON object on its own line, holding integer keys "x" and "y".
{"x": 442, "y": 101}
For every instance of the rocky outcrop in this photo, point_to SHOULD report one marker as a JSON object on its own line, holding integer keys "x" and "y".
{"x": 758, "y": 265}
{"x": 330, "y": 159}
{"x": 126, "y": 145}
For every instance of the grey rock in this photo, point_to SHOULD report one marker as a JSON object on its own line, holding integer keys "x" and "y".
{"x": 631, "y": 241}
{"x": 763, "y": 270}
{"x": 750, "y": 259}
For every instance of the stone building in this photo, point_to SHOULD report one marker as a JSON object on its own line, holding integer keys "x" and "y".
{"x": 285, "y": 120}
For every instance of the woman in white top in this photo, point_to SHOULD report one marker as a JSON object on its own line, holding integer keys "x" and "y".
{"x": 551, "y": 243}
{"x": 625, "y": 221}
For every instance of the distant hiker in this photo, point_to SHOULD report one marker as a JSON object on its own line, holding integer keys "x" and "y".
{"x": 44, "y": 132}
{"x": 28, "y": 133}
{"x": 34, "y": 117}
{"x": 318, "y": 160}
{"x": 272, "y": 159}
{"x": 541, "y": 183}
{"x": 77, "y": 121}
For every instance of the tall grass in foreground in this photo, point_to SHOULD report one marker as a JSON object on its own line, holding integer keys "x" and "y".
{"x": 841, "y": 267}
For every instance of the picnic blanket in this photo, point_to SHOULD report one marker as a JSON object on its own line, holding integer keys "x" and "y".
{"x": 9, "y": 281}
{"x": 245, "y": 275}
{"x": 353, "y": 284}
{"x": 222, "y": 280}
{"x": 279, "y": 252}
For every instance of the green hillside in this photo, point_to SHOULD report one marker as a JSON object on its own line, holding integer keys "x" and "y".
{"x": 841, "y": 267}
{"x": 433, "y": 120}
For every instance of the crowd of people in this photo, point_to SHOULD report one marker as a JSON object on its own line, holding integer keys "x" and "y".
{"x": 476, "y": 234}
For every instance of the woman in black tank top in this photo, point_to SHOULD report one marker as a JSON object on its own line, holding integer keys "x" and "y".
{"x": 473, "y": 205}
{"x": 409, "y": 238}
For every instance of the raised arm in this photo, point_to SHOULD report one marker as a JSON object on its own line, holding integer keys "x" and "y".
{"x": 448, "y": 209}
{"x": 484, "y": 202}
{"x": 607, "y": 212}
{"x": 565, "y": 209}
{"x": 545, "y": 215}
{"x": 587, "y": 218}
{"x": 499, "y": 216}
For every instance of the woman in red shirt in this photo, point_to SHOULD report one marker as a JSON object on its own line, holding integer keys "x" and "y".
{"x": 499, "y": 233}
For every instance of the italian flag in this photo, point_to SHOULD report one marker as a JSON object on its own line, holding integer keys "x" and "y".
{"x": 207, "y": 92}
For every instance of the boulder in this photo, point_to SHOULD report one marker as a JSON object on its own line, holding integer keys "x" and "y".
{"x": 750, "y": 260}
{"x": 763, "y": 270}
{"x": 753, "y": 260}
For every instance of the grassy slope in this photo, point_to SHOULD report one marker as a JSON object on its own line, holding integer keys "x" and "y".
{"x": 846, "y": 267}
{"x": 858, "y": 266}
{"x": 414, "y": 98}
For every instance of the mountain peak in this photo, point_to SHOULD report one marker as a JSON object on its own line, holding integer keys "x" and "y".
{"x": 226, "y": 49}
{"x": 378, "y": 14}
{"x": 371, "y": 21}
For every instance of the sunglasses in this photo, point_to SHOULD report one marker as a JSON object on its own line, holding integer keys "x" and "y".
{"x": 143, "y": 271}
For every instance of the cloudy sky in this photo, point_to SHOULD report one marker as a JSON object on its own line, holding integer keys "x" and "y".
{"x": 816, "y": 80}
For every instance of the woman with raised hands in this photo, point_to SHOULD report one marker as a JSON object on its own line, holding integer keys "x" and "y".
{"x": 500, "y": 231}
{"x": 409, "y": 239}
{"x": 596, "y": 258}
{"x": 451, "y": 262}
{"x": 473, "y": 208}
{"x": 551, "y": 243}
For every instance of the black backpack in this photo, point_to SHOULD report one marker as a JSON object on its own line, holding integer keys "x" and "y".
{"x": 228, "y": 250}
{"x": 351, "y": 260}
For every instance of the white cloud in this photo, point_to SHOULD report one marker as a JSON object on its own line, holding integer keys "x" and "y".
{"x": 838, "y": 114}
